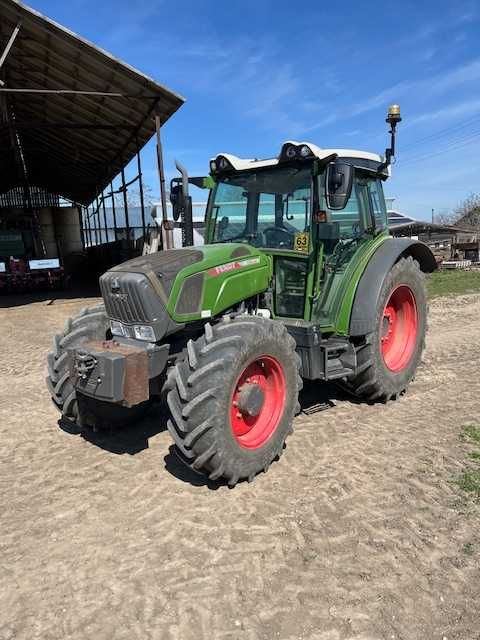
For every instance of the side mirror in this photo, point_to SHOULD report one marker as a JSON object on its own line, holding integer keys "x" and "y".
{"x": 177, "y": 199}
{"x": 338, "y": 185}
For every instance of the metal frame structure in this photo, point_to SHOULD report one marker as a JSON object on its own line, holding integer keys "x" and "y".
{"x": 86, "y": 214}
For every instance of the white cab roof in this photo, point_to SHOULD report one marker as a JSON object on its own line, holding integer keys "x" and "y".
{"x": 249, "y": 163}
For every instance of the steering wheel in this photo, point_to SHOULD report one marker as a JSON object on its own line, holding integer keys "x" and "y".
{"x": 279, "y": 231}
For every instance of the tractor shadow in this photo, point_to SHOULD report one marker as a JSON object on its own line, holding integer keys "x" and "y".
{"x": 315, "y": 397}
{"x": 135, "y": 438}
{"x": 131, "y": 439}
{"x": 178, "y": 469}
{"x": 90, "y": 293}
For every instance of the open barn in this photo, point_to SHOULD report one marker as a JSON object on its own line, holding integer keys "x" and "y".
{"x": 72, "y": 117}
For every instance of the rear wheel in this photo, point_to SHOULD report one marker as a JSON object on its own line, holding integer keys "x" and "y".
{"x": 233, "y": 398}
{"x": 387, "y": 359}
{"x": 79, "y": 411}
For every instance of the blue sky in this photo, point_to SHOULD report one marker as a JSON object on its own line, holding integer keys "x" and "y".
{"x": 258, "y": 72}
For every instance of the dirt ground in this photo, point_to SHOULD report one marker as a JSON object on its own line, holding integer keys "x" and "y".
{"x": 358, "y": 532}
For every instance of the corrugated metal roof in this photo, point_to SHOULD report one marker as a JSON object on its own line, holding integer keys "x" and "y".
{"x": 70, "y": 144}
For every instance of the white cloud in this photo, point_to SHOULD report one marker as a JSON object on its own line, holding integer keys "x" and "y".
{"x": 428, "y": 54}
{"x": 454, "y": 111}
{"x": 442, "y": 82}
{"x": 380, "y": 99}
{"x": 461, "y": 75}
{"x": 324, "y": 122}
{"x": 468, "y": 15}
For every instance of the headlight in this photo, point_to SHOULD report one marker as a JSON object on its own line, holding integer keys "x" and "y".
{"x": 144, "y": 332}
{"x": 116, "y": 328}
{"x": 224, "y": 164}
{"x": 213, "y": 166}
{"x": 305, "y": 151}
{"x": 291, "y": 152}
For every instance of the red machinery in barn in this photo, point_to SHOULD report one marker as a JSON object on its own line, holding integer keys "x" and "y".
{"x": 19, "y": 275}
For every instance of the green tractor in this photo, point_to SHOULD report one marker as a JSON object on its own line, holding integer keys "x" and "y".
{"x": 298, "y": 279}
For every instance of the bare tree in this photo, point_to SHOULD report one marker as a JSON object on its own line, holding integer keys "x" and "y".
{"x": 134, "y": 199}
{"x": 468, "y": 212}
{"x": 447, "y": 217}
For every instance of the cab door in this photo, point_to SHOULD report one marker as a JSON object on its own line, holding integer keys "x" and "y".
{"x": 293, "y": 268}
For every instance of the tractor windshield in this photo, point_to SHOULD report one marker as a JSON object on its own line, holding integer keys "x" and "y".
{"x": 265, "y": 208}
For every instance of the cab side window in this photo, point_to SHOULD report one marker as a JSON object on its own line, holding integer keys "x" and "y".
{"x": 377, "y": 200}
{"x": 361, "y": 189}
{"x": 351, "y": 218}
{"x": 356, "y": 218}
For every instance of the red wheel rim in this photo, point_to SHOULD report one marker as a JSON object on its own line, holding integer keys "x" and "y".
{"x": 253, "y": 431}
{"x": 399, "y": 328}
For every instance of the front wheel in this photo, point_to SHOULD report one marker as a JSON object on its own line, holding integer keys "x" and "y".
{"x": 233, "y": 398}
{"x": 387, "y": 358}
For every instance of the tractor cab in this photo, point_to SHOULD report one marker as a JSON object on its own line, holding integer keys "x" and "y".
{"x": 316, "y": 215}
{"x": 310, "y": 209}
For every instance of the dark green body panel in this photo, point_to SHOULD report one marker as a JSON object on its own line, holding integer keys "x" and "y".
{"x": 329, "y": 298}
{"x": 332, "y": 307}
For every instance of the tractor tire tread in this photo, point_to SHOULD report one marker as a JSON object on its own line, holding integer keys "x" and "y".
{"x": 197, "y": 382}
{"x": 63, "y": 395}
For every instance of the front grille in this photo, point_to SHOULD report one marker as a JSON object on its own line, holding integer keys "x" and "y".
{"x": 122, "y": 295}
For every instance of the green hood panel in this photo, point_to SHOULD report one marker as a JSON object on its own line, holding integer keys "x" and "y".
{"x": 199, "y": 282}
{"x": 163, "y": 266}
{"x": 225, "y": 275}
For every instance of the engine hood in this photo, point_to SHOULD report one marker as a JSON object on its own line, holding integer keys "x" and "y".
{"x": 199, "y": 282}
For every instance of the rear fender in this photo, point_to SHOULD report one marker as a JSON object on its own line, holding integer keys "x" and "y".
{"x": 363, "y": 314}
